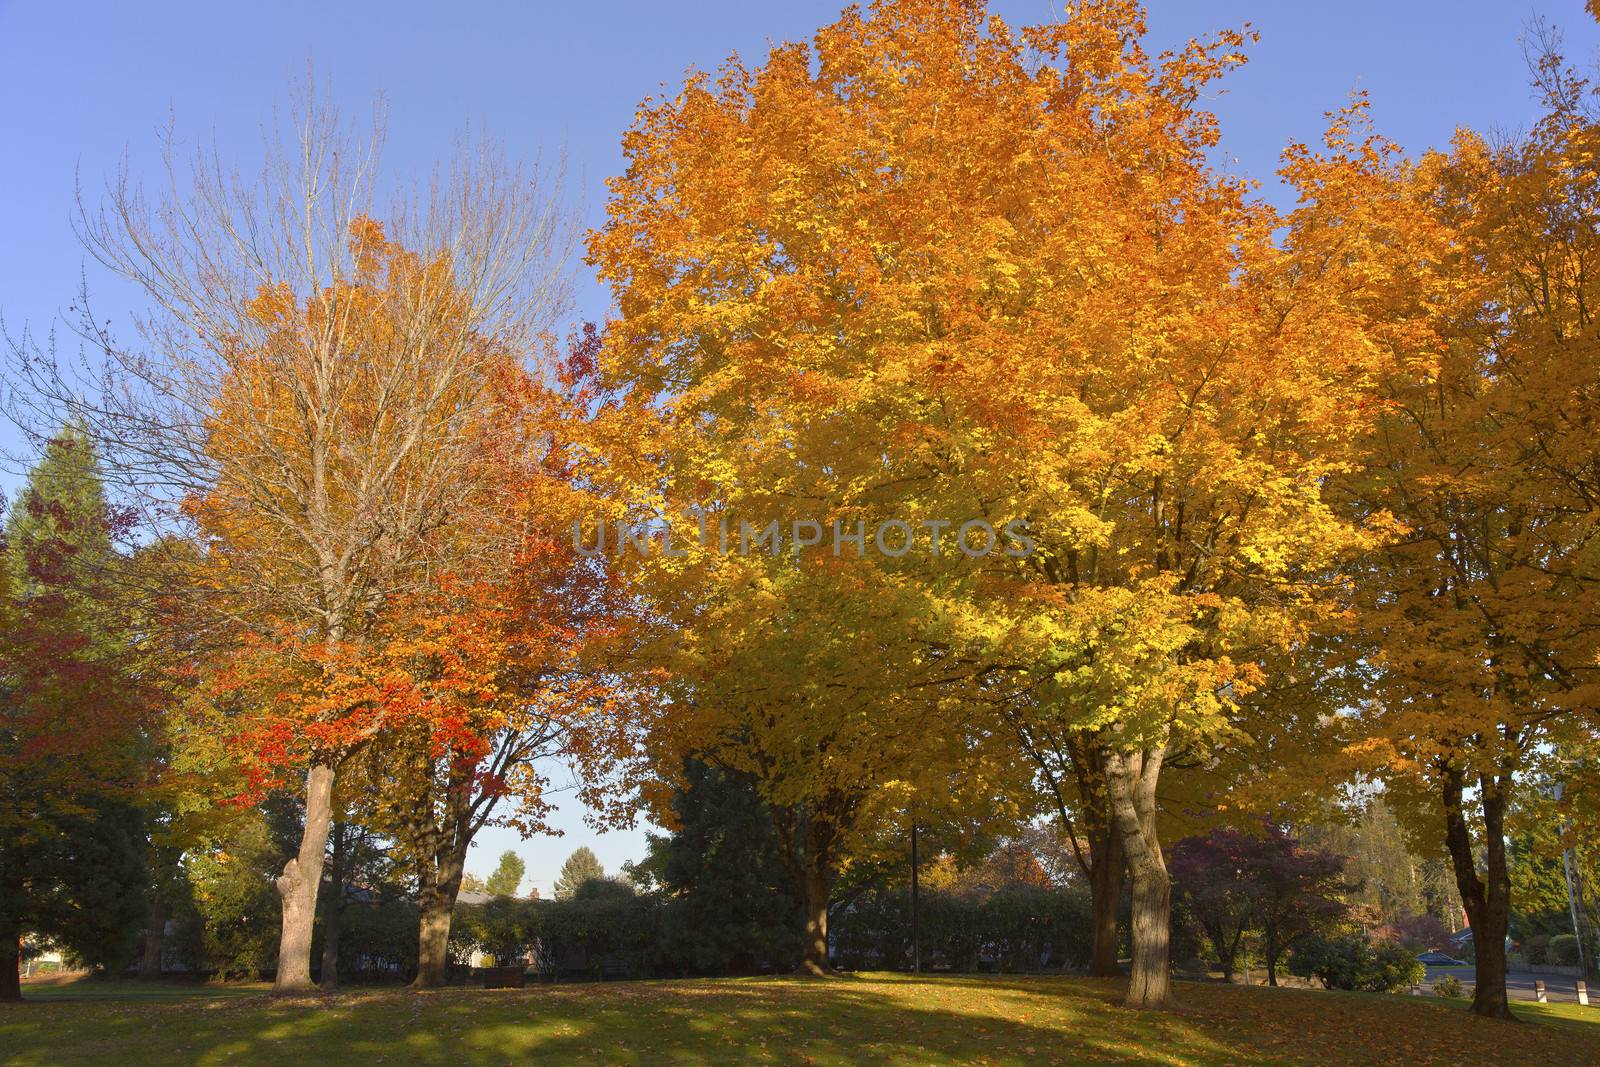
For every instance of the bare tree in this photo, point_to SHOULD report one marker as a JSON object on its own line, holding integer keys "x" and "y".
{"x": 309, "y": 390}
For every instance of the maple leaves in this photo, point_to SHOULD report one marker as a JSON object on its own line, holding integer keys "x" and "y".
{"x": 932, "y": 267}
{"x": 1478, "y": 641}
{"x": 926, "y": 268}
{"x": 938, "y": 269}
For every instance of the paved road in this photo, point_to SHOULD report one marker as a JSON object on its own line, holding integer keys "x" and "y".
{"x": 1519, "y": 985}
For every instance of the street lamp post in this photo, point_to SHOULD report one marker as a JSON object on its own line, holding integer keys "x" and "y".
{"x": 916, "y": 933}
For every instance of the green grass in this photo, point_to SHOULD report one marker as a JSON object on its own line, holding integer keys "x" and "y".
{"x": 1562, "y": 1014}
{"x": 888, "y": 1019}
{"x": 97, "y": 989}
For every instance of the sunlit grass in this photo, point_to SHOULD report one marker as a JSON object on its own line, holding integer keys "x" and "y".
{"x": 878, "y": 1018}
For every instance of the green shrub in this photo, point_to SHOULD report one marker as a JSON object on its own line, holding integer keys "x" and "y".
{"x": 1019, "y": 928}
{"x": 1448, "y": 986}
{"x": 573, "y": 938}
{"x": 1352, "y": 961}
{"x": 1537, "y": 949}
{"x": 377, "y": 940}
{"x": 1564, "y": 950}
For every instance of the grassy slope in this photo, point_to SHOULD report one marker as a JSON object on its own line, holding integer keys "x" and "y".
{"x": 875, "y": 1018}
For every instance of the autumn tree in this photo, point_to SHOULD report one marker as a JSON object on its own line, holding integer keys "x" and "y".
{"x": 1397, "y": 870}
{"x": 510, "y": 658}
{"x": 309, "y": 401}
{"x": 934, "y": 270}
{"x": 1234, "y": 881}
{"x": 1071, "y": 774}
{"x": 1480, "y": 619}
{"x": 73, "y": 711}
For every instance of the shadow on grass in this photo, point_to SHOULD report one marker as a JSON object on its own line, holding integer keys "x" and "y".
{"x": 873, "y": 1019}
{"x": 120, "y": 989}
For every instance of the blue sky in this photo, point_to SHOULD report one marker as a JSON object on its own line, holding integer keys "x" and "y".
{"x": 82, "y": 83}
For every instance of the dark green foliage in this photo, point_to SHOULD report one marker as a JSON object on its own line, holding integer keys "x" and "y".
{"x": 1564, "y": 950}
{"x": 87, "y": 879}
{"x": 733, "y": 905}
{"x": 1352, "y": 961}
{"x": 1538, "y": 871}
{"x": 378, "y": 941}
{"x": 507, "y": 876}
{"x": 579, "y": 868}
{"x": 605, "y": 889}
{"x": 237, "y": 904}
{"x": 71, "y": 848}
{"x": 1018, "y": 928}
{"x": 576, "y": 938}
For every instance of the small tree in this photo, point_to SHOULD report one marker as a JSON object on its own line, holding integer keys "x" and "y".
{"x": 1296, "y": 892}
{"x": 1233, "y": 881}
{"x": 508, "y": 876}
{"x": 582, "y": 866}
{"x": 1211, "y": 878}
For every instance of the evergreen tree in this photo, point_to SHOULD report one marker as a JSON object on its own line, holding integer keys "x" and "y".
{"x": 507, "y": 876}
{"x": 582, "y": 866}
{"x": 734, "y": 900}
{"x": 71, "y": 847}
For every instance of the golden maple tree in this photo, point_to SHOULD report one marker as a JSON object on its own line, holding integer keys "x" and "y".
{"x": 931, "y": 269}
{"x": 1479, "y": 627}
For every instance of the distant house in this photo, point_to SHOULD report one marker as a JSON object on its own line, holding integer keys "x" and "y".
{"x": 40, "y": 957}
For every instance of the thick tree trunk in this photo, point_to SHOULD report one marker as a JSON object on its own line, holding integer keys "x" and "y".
{"x": 807, "y": 841}
{"x": 1131, "y": 782}
{"x": 1270, "y": 937}
{"x": 299, "y": 882}
{"x": 816, "y": 889}
{"x": 1487, "y": 899}
{"x": 440, "y": 887}
{"x": 10, "y": 965}
{"x": 155, "y": 939}
{"x": 1107, "y": 870}
{"x": 1150, "y": 985}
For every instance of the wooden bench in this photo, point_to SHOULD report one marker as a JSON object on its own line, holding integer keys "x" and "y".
{"x": 505, "y": 977}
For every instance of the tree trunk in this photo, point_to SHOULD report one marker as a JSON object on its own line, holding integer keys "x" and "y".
{"x": 815, "y": 893}
{"x": 333, "y": 913}
{"x": 1487, "y": 899}
{"x": 1131, "y": 783}
{"x": 1226, "y": 947}
{"x": 1270, "y": 936}
{"x": 1107, "y": 870}
{"x": 298, "y": 885}
{"x": 441, "y": 884}
{"x": 1150, "y": 985}
{"x": 807, "y": 843}
{"x": 10, "y": 964}
{"x": 155, "y": 939}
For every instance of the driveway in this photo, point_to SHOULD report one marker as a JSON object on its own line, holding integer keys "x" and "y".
{"x": 1559, "y": 988}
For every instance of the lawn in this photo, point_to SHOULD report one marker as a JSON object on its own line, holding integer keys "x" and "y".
{"x": 861, "y": 1019}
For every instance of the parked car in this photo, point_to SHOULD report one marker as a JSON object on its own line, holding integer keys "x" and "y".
{"x": 1439, "y": 959}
